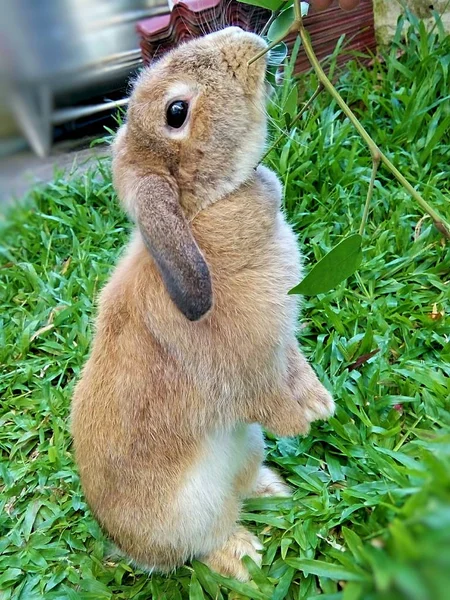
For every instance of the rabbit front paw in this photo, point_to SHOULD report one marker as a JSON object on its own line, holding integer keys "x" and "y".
{"x": 285, "y": 417}
{"x": 316, "y": 402}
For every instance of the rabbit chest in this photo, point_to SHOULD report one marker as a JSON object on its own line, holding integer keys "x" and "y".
{"x": 254, "y": 260}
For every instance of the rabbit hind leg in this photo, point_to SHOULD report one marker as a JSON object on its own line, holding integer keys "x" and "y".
{"x": 227, "y": 560}
{"x": 256, "y": 479}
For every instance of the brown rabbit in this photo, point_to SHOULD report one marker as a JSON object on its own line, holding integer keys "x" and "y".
{"x": 195, "y": 344}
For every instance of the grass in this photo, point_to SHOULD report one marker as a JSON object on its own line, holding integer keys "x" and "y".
{"x": 370, "y": 517}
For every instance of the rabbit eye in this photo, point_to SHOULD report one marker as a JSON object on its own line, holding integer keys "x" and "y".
{"x": 177, "y": 113}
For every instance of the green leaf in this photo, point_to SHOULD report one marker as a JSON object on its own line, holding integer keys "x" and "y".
{"x": 259, "y": 577}
{"x": 10, "y": 575}
{"x": 70, "y": 594}
{"x": 206, "y": 579}
{"x": 30, "y": 517}
{"x": 195, "y": 589}
{"x": 341, "y": 262}
{"x": 324, "y": 569}
{"x": 290, "y": 106}
{"x": 96, "y": 587}
{"x": 272, "y": 5}
{"x": 284, "y": 583}
{"x": 281, "y": 25}
{"x": 354, "y": 544}
{"x": 245, "y": 589}
{"x": 353, "y": 591}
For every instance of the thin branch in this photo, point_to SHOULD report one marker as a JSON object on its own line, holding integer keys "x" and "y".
{"x": 297, "y": 12}
{"x": 441, "y": 224}
{"x": 272, "y": 18}
{"x": 439, "y": 221}
{"x": 266, "y": 50}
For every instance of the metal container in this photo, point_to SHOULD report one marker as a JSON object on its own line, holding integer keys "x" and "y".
{"x": 55, "y": 50}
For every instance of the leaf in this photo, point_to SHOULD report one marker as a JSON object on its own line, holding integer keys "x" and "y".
{"x": 206, "y": 579}
{"x": 272, "y": 5}
{"x": 341, "y": 262}
{"x": 324, "y": 569}
{"x": 284, "y": 583}
{"x": 245, "y": 589}
{"x": 280, "y": 27}
{"x": 30, "y": 517}
{"x": 10, "y": 575}
{"x": 363, "y": 359}
{"x": 290, "y": 106}
{"x": 70, "y": 594}
{"x": 354, "y": 544}
{"x": 258, "y": 576}
{"x": 41, "y": 331}
{"x": 353, "y": 591}
{"x": 96, "y": 587}
{"x": 195, "y": 589}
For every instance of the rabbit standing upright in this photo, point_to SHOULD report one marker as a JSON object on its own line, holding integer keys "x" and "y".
{"x": 195, "y": 346}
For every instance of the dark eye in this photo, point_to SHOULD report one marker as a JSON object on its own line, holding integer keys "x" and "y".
{"x": 177, "y": 113}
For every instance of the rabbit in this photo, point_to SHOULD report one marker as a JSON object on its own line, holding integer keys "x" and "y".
{"x": 195, "y": 348}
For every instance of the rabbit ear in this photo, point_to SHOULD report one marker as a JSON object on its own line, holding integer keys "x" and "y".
{"x": 168, "y": 237}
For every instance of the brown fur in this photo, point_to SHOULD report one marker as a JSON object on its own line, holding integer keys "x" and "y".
{"x": 157, "y": 386}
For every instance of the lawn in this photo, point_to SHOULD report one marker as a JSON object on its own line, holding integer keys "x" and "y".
{"x": 370, "y": 516}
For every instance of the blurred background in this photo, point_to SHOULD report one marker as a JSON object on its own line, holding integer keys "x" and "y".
{"x": 65, "y": 65}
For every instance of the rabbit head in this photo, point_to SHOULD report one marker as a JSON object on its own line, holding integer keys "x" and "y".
{"x": 195, "y": 130}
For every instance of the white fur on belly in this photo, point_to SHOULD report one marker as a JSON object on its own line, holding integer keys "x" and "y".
{"x": 207, "y": 487}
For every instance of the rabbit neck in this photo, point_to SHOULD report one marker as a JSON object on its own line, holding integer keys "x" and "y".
{"x": 202, "y": 195}
{"x": 200, "y": 187}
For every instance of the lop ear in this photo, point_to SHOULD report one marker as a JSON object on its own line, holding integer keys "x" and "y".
{"x": 168, "y": 237}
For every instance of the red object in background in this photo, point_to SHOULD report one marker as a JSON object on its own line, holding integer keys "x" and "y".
{"x": 326, "y": 27}
{"x": 193, "y": 18}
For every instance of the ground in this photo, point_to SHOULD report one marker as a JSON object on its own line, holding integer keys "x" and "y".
{"x": 370, "y": 514}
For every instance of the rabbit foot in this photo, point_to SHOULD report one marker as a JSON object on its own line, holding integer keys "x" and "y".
{"x": 315, "y": 400}
{"x": 317, "y": 403}
{"x": 286, "y": 417}
{"x": 228, "y": 560}
{"x": 269, "y": 483}
{"x": 293, "y": 416}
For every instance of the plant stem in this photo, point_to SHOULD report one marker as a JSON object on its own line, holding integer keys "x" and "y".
{"x": 377, "y": 155}
{"x": 267, "y": 49}
{"x": 439, "y": 221}
{"x": 294, "y": 121}
{"x": 272, "y": 18}
{"x": 375, "y": 164}
{"x": 297, "y": 12}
